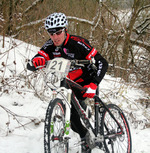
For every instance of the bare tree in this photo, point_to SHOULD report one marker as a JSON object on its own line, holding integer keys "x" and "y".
{"x": 111, "y": 34}
{"x": 136, "y": 9}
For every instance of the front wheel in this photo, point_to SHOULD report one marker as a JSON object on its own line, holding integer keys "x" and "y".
{"x": 116, "y": 143}
{"x": 54, "y": 128}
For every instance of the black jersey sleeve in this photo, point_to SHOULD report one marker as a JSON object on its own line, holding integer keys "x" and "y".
{"x": 46, "y": 49}
{"x": 86, "y": 51}
{"x": 100, "y": 63}
{"x": 102, "y": 66}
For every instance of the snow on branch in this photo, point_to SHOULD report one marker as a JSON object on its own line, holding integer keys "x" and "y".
{"x": 141, "y": 44}
{"x": 92, "y": 23}
{"x": 32, "y": 5}
{"x": 30, "y": 24}
{"x": 15, "y": 116}
{"x": 142, "y": 26}
{"x": 42, "y": 20}
{"x": 142, "y": 8}
{"x": 81, "y": 20}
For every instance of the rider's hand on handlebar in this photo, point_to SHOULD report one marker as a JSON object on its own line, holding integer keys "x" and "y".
{"x": 91, "y": 90}
{"x": 39, "y": 61}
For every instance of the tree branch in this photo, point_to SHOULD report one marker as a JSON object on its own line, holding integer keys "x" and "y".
{"x": 30, "y": 24}
{"x": 114, "y": 15}
{"x": 68, "y": 17}
{"x": 142, "y": 8}
{"x": 32, "y": 6}
{"x": 140, "y": 25}
{"x": 81, "y": 20}
{"x": 140, "y": 43}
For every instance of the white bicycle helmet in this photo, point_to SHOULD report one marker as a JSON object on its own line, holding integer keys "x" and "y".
{"x": 56, "y": 20}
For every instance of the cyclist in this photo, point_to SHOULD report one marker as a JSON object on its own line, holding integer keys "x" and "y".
{"x": 62, "y": 44}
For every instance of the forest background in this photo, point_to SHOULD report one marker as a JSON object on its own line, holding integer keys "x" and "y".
{"x": 118, "y": 29}
{"x": 114, "y": 36}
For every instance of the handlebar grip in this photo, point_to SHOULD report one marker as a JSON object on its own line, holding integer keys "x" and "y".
{"x": 84, "y": 62}
{"x": 79, "y": 62}
{"x": 31, "y": 68}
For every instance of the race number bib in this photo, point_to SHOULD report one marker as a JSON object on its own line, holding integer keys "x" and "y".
{"x": 59, "y": 66}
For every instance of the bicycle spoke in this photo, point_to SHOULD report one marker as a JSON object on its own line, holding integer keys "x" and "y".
{"x": 55, "y": 126}
{"x": 114, "y": 142}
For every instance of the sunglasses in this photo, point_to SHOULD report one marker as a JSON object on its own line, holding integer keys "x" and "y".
{"x": 57, "y": 32}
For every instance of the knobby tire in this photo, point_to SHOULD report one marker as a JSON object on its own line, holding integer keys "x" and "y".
{"x": 54, "y": 128}
{"x": 116, "y": 144}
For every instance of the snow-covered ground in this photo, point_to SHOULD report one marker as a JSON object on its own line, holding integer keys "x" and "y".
{"x": 22, "y": 112}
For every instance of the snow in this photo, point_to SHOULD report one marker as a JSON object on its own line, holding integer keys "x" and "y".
{"x": 22, "y": 112}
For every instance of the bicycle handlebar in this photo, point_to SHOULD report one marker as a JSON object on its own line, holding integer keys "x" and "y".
{"x": 75, "y": 62}
{"x": 84, "y": 62}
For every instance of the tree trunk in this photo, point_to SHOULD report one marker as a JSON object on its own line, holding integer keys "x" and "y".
{"x": 10, "y": 19}
{"x": 127, "y": 43}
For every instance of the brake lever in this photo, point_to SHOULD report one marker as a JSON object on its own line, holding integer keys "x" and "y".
{"x": 93, "y": 64}
{"x": 75, "y": 63}
{"x": 92, "y": 60}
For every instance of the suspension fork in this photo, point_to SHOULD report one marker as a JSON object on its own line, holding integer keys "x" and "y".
{"x": 65, "y": 88}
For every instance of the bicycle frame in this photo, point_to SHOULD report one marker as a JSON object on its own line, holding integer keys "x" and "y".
{"x": 100, "y": 133}
{"x": 99, "y": 107}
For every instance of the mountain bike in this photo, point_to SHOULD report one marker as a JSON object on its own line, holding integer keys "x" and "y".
{"x": 110, "y": 130}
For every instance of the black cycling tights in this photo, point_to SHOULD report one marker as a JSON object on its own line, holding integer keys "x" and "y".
{"x": 76, "y": 124}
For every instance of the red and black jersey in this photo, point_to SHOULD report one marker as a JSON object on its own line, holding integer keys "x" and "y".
{"x": 76, "y": 47}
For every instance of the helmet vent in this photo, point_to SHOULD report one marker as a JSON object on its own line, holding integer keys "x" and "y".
{"x": 56, "y": 20}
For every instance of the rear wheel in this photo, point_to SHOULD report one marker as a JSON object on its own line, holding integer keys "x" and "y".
{"x": 112, "y": 143}
{"x": 54, "y": 141}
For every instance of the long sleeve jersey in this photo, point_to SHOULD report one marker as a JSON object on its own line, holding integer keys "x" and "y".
{"x": 76, "y": 47}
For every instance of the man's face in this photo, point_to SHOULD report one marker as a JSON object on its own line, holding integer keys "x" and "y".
{"x": 58, "y": 37}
